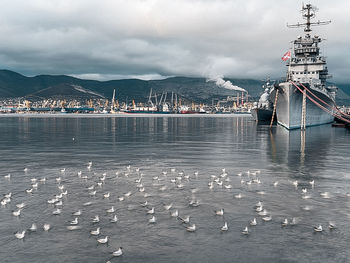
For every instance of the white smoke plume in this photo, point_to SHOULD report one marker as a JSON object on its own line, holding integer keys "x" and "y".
{"x": 220, "y": 82}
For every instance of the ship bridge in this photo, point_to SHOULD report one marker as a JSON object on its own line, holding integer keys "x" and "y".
{"x": 306, "y": 64}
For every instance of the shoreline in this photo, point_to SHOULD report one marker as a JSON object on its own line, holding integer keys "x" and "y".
{"x": 126, "y": 115}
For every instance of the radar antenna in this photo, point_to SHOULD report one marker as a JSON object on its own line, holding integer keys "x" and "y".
{"x": 308, "y": 12}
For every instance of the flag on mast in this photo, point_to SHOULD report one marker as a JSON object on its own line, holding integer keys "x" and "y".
{"x": 286, "y": 56}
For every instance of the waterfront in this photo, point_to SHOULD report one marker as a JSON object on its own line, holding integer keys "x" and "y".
{"x": 206, "y": 144}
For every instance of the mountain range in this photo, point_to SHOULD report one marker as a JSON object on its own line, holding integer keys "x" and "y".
{"x": 13, "y": 84}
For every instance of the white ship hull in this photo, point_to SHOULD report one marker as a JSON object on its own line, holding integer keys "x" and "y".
{"x": 289, "y": 108}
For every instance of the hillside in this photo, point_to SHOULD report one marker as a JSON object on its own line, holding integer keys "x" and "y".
{"x": 13, "y": 84}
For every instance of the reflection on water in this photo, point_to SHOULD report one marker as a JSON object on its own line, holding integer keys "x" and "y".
{"x": 205, "y": 144}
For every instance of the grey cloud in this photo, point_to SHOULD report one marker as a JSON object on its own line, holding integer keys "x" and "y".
{"x": 155, "y": 38}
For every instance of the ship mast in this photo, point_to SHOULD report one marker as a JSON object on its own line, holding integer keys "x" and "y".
{"x": 308, "y": 13}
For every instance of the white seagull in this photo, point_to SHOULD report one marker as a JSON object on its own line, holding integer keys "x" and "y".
{"x": 46, "y": 227}
{"x": 219, "y": 212}
{"x": 245, "y": 231}
{"x": 253, "y": 222}
{"x": 103, "y": 240}
{"x": 118, "y": 252}
{"x": 191, "y": 228}
{"x": 95, "y": 232}
{"x": 152, "y": 220}
{"x": 20, "y": 235}
{"x": 33, "y": 227}
{"x": 224, "y": 227}
{"x": 318, "y": 228}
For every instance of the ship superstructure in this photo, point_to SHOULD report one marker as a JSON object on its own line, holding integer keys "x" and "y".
{"x": 307, "y": 69}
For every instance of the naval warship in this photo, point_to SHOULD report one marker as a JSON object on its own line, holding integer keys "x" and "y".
{"x": 307, "y": 73}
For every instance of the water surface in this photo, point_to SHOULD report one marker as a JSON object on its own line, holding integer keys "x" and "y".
{"x": 154, "y": 144}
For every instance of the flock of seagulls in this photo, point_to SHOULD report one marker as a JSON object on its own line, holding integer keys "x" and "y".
{"x": 168, "y": 180}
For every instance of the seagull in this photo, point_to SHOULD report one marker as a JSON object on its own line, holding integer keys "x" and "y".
{"x": 175, "y": 213}
{"x": 194, "y": 203}
{"x": 33, "y": 227}
{"x": 17, "y": 213}
{"x": 74, "y": 222}
{"x": 318, "y": 228}
{"x": 127, "y": 194}
{"x": 29, "y": 190}
{"x": 46, "y": 227}
{"x": 253, "y": 222}
{"x": 294, "y": 221}
{"x": 73, "y": 227}
{"x": 96, "y": 219}
{"x": 295, "y": 183}
{"x": 7, "y": 176}
{"x": 228, "y": 186}
{"x": 144, "y": 204}
{"x": 267, "y": 218}
{"x": 20, "y": 205}
{"x": 111, "y": 210}
{"x": 219, "y": 212}
{"x": 152, "y": 220}
{"x": 239, "y": 196}
{"x": 63, "y": 170}
{"x": 263, "y": 213}
{"x": 114, "y": 219}
{"x": 191, "y": 228}
{"x": 312, "y": 183}
{"x": 95, "y": 232}
{"x": 167, "y": 207}
{"x": 325, "y": 194}
{"x": 93, "y": 193}
{"x": 103, "y": 240}
{"x": 224, "y": 227}
{"x": 43, "y": 180}
{"x": 259, "y": 209}
{"x": 275, "y": 184}
{"x": 285, "y": 222}
{"x": 259, "y": 204}
{"x": 151, "y": 212}
{"x": 118, "y": 252}
{"x": 304, "y": 190}
{"x": 91, "y": 187}
{"x": 121, "y": 198}
{"x": 57, "y": 211}
{"x": 331, "y": 225}
{"x": 185, "y": 220}
{"x": 20, "y": 235}
{"x": 245, "y": 231}
{"x": 25, "y": 169}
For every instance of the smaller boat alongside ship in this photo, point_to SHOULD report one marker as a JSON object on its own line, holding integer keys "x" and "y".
{"x": 263, "y": 110}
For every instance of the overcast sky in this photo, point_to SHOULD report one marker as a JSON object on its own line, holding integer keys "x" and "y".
{"x": 109, "y": 39}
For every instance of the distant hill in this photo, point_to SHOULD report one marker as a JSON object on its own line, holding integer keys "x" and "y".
{"x": 13, "y": 84}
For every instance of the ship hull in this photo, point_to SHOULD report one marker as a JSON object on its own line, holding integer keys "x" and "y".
{"x": 262, "y": 116}
{"x": 289, "y": 108}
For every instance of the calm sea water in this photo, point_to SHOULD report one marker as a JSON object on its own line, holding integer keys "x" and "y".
{"x": 45, "y": 145}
